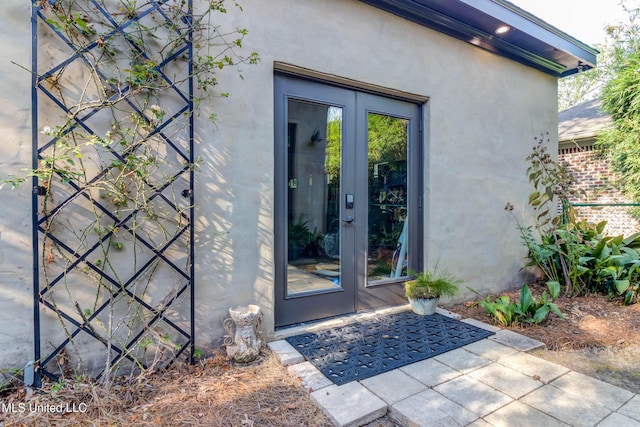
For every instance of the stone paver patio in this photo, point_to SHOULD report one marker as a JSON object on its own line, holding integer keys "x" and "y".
{"x": 492, "y": 382}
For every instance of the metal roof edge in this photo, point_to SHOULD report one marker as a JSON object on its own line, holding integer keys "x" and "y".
{"x": 543, "y": 24}
{"x": 577, "y": 56}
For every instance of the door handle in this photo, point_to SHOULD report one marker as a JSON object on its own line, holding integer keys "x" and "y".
{"x": 348, "y": 220}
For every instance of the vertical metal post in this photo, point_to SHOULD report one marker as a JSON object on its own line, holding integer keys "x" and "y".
{"x": 34, "y": 196}
{"x": 565, "y": 209}
{"x": 191, "y": 188}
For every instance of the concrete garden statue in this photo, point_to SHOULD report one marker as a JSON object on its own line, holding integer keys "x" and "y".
{"x": 244, "y": 341}
{"x": 425, "y": 290}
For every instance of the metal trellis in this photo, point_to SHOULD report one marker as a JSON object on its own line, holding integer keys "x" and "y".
{"x": 77, "y": 325}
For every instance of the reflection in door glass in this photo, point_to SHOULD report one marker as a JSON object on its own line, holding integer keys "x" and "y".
{"x": 387, "y": 225}
{"x": 314, "y": 144}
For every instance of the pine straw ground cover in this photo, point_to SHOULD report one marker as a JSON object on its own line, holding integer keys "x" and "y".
{"x": 211, "y": 393}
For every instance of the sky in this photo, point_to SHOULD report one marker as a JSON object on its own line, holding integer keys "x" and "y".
{"x": 581, "y": 19}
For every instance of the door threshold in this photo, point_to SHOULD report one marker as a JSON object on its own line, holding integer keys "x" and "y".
{"x": 333, "y": 322}
{"x": 347, "y": 319}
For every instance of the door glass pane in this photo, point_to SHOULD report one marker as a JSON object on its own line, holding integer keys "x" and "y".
{"x": 314, "y": 144}
{"x": 387, "y": 225}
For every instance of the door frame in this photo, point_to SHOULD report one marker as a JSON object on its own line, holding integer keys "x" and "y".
{"x": 356, "y": 104}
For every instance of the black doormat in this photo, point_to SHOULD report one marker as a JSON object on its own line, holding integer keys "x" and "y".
{"x": 362, "y": 350}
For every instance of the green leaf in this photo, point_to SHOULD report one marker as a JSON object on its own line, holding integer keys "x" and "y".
{"x": 542, "y": 214}
{"x": 617, "y": 240}
{"x": 606, "y": 252}
{"x": 632, "y": 268}
{"x": 621, "y": 285}
{"x": 597, "y": 251}
{"x": 81, "y": 22}
{"x": 632, "y": 253}
{"x": 543, "y": 299}
{"x": 615, "y": 249}
{"x": 619, "y": 260}
{"x": 488, "y": 306}
{"x": 556, "y": 310}
{"x": 554, "y": 289}
{"x": 580, "y": 269}
{"x": 549, "y": 192}
{"x": 526, "y": 299}
{"x": 610, "y": 271}
{"x": 632, "y": 241}
{"x": 628, "y": 297}
{"x": 541, "y": 313}
{"x": 54, "y": 24}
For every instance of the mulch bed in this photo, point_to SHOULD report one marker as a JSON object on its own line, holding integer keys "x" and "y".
{"x": 591, "y": 321}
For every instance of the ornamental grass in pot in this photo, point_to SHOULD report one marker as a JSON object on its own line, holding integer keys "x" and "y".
{"x": 426, "y": 288}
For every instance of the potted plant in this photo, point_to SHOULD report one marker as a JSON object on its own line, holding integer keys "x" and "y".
{"x": 426, "y": 288}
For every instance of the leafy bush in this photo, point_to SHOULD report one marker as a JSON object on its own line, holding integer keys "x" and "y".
{"x": 574, "y": 253}
{"x": 551, "y": 182}
{"x": 526, "y": 310}
{"x": 613, "y": 266}
{"x": 589, "y": 261}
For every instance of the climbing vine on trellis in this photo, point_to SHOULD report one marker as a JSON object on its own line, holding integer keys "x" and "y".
{"x": 115, "y": 87}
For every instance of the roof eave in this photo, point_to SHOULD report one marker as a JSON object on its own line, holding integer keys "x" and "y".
{"x": 531, "y": 41}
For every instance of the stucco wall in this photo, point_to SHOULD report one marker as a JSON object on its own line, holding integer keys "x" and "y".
{"x": 16, "y": 331}
{"x": 480, "y": 121}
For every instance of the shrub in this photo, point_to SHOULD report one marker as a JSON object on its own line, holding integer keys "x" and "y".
{"x": 573, "y": 253}
{"x": 526, "y": 310}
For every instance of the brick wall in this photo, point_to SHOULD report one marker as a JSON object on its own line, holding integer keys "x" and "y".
{"x": 597, "y": 180}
